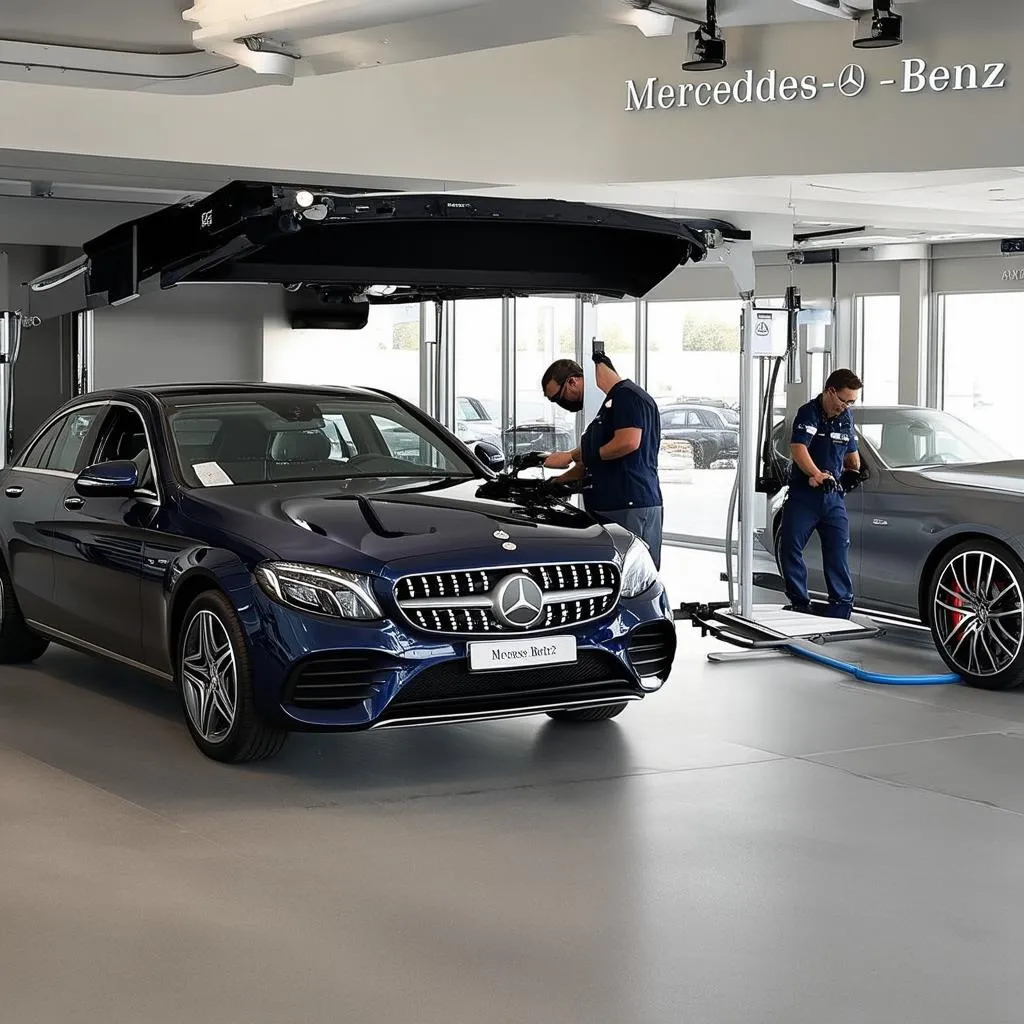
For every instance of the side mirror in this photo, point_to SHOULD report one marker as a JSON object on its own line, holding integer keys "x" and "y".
{"x": 490, "y": 455}
{"x": 108, "y": 480}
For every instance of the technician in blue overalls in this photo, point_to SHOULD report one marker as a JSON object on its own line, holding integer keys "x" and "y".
{"x": 617, "y": 460}
{"x": 824, "y": 447}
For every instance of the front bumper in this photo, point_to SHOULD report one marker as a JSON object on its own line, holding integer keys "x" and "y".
{"x": 315, "y": 674}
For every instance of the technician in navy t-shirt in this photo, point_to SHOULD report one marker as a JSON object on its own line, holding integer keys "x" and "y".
{"x": 617, "y": 459}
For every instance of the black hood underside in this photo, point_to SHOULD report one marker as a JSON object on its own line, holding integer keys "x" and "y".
{"x": 330, "y": 249}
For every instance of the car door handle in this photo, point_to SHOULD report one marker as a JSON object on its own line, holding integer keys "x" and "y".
{"x": 879, "y": 522}
{"x": 14, "y": 492}
{"x": 73, "y": 504}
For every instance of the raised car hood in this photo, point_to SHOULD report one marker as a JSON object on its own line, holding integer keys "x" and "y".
{"x": 1005, "y": 476}
{"x": 334, "y": 248}
{"x": 369, "y": 526}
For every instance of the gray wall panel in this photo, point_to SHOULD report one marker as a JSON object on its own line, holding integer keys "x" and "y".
{"x": 190, "y": 333}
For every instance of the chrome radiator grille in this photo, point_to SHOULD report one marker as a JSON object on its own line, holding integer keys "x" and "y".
{"x": 472, "y": 601}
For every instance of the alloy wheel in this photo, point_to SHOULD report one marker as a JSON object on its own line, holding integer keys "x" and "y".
{"x": 209, "y": 677}
{"x": 979, "y": 614}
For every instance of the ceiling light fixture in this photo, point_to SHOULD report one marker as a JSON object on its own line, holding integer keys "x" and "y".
{"x": 707, "y": 49}
{"x": 652, "y": 24}
{"x": 886, "y": 28}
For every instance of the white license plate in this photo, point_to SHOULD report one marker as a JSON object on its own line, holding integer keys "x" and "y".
{"x": 551, "y": 650}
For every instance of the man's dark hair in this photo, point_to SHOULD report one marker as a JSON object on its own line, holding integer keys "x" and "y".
{"x": 840, "y": 379}
{"x": 560, "y": 371}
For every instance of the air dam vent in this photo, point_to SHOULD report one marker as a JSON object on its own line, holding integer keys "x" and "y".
{"x": 342, "y": 679}
{"x": 652, "y": 649}
{"x": 466, "y": 602}
{"x": 452, "y": 689}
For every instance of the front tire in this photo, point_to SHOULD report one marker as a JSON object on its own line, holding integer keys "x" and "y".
{"x": 581, "y": 715}
{"x": 18, "y": 644}
{"x": 976, "y": 614}
{"x": 214, "y": 679}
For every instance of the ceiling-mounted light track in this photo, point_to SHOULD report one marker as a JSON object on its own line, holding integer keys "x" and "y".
{"x": 707, "y": 52}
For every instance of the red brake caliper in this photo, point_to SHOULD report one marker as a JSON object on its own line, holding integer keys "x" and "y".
{"x": 957, "y": 603}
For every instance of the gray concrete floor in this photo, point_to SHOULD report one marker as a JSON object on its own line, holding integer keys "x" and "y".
{"x": 758, "y": 843}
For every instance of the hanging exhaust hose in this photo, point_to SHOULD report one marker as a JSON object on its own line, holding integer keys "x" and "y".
{"x": 770, "y": 457}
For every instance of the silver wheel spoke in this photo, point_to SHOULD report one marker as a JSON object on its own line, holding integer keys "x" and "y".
{"x": 967, "y": 613}
{"x": 982, "y": 630}
{"x": 966, "y": 621}
{"x": 209, "y": 680}
{"x": 1006, "y": 650}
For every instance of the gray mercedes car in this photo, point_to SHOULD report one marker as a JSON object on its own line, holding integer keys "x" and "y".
{"x": 937, "y": 537}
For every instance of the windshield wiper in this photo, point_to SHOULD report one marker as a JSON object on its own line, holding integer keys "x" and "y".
{"x": 405, "y": 476}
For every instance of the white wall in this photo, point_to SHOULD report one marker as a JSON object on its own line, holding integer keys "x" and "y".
{"x": 556, "y": 111}
{"x": 189, "y": 334}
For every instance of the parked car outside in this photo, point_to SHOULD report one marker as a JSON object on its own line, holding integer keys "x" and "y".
{"x": 712, "y": 437}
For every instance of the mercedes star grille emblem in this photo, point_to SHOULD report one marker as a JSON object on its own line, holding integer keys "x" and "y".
{"x": 518, "y": 602}
{"x": 852, "y": 80}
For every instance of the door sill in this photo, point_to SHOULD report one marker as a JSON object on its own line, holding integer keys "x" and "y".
{"x": 84, "y": 647}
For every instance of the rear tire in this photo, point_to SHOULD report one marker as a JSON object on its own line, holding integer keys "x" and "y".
{"x": 18, "y": 644}
{"x": 581, "y": 715}
{"x": 976, "y": 614}
{"x": 214, "y": 679}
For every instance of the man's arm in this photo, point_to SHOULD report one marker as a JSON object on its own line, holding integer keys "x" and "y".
{"x": 852, "y": 461}
{"x": 576, "y": 473}
{"x": 802, "y": 457}
{"x": 562, "y": 460}
{"x": 624, "y": 442}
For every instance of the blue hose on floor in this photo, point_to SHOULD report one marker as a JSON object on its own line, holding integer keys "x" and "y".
{"x": 871, "y": 677}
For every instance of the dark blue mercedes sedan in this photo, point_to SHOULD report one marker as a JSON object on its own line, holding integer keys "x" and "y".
{"x": 318, "y": 559}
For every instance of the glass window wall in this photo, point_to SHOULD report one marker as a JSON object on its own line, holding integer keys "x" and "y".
{"x": 545, "y": 330}
{"x": 693, "y": 368}
{"x": 983, "y": 361}
{"x": 878, "y": 346}
{"x": 385, "y": 354}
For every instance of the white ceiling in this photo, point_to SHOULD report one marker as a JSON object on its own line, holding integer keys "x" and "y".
{"x": 892, "y": 208}
{"x": 326, "y": 36}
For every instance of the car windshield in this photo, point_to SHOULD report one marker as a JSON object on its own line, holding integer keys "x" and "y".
{"x": 222, "y": 440}
{"x": 906, "y": 438}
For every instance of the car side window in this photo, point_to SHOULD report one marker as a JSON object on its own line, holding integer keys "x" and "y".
{"x": 692, "y": 419}
{"x": 123, "y": 438}
{"x": 35, "y": 457}
{"x": 63, "y": 457}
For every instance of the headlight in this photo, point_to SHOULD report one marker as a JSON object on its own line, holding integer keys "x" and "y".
{"x": 638, "y": 571}
{"x": 313, "y": 588}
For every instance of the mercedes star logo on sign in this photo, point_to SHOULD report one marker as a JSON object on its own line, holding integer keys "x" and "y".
{"x": 852, "y": 80}
{"x": 518, "y": 602}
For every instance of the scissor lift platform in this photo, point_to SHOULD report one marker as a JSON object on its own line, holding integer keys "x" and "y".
{"x": 770, "y": 629}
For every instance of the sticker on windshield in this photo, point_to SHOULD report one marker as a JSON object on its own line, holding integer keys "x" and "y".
{"x": 211, "y": 475}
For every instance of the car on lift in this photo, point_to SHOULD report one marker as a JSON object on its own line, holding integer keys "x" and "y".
{"x": 215, "y": 537}
{"x": 936, "y": 537}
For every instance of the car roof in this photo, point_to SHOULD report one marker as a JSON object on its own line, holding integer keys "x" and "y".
{"x": 233, "y": 388}
{"x": 691, "y": 405}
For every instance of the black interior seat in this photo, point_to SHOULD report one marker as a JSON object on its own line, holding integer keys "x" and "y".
{"x": 241, "y": 449}
{"x": 299, "y": 453}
